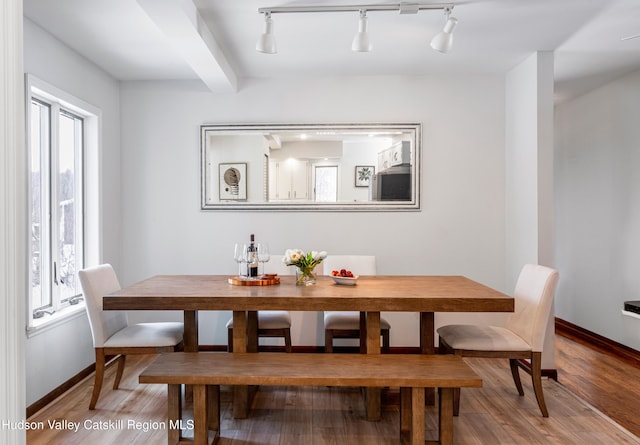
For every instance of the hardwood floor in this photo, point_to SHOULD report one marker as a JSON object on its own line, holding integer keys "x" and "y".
{"x": 494, "y": 414}
{"x": 603, "y": 380}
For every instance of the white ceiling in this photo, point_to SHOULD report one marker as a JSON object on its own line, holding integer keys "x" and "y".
{"x": 214, "y": 40}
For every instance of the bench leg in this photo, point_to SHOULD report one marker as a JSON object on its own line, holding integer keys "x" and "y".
{"x": 174, "y": 414}
{"x": 412, "y": 416}
{"x": 445, "y": 411}
{"x": 206, "y": 413}
{"x": 417, "y": 416}
{"x": 200, "y": 415}
{"x": 412, "y": 429}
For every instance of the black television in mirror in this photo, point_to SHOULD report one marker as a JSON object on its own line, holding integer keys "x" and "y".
{"x": 392, "y": 184}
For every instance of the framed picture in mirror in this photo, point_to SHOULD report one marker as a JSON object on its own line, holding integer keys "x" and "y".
{"x": 233, "y": 181}
{"x": 364, "y": 173}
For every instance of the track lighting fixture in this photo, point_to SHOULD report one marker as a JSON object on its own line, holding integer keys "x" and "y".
{"x": 267, "y": 41}
{"x": 444, "y": 40}
{"x": 361, "y": 42}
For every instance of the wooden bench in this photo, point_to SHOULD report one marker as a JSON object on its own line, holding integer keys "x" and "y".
{"x": 412, "y": 373}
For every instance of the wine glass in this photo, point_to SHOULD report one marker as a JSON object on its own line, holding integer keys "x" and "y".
{"x": 240, "y": 255}
{"x": 263, "y": 254}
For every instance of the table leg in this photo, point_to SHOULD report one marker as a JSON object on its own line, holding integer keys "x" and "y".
{"x": 245, "y": 339}
{"x": 239, "y": 331}
{"x": 374, "y": 395}
{"x": 191, "y": 342}
{"x": 363, "y": 332}
{"x": 190, "y": 331}
{"x": 213, "y": 402}
{"x": 252, "y": 331}
{"x": 405, "y": 411}
{"x": 427, "y": 332}
{"x": 240, "y": 393}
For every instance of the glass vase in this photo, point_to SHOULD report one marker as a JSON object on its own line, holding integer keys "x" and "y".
{"x": 305, "y": 277}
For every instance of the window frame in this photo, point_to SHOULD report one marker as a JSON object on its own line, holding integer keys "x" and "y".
{"x": 86, "y": 182}
{"x": 315, "y": 166}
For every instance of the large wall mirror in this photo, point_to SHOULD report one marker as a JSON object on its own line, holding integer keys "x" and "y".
{"x": 355, "y": 167}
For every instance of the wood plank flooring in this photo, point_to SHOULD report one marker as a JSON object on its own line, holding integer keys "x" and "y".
{"x": 603, "y": 380}
{"x": 494, "y": 414}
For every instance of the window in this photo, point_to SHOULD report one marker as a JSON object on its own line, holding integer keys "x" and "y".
{"x": 58, "y": 142}
{"x": 326, "y": 183}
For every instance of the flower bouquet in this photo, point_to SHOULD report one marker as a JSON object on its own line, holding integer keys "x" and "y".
{"x": 305, "y": 263}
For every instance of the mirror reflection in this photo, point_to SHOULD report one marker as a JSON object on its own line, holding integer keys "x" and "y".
{"x": 322, "y": 167}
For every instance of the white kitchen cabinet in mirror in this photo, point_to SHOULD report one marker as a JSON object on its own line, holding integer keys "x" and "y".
{"x": 289, "y": 180}
{"x": 283, "y": 160}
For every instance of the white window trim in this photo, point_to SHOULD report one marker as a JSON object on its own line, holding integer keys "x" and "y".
{"x": 92, "y": 185}
{"x": 325, "y": 163}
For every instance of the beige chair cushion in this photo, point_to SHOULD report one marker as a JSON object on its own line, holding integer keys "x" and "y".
{"x": 482, "y": 338}
{"x": 534, "y": 293}
{"x": 156, "y": 334}
{"x": 96, "y": 282}
{"x": 270, "y": 320}
{"x": 110, "y": 329}
{"x": 347, "y": 320}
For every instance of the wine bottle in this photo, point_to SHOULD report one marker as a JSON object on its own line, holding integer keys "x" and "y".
{"x": 252, "y": 259}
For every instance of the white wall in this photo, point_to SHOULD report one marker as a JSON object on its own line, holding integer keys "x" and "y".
{"x": 57, "y": 354}
{"x": 13, "y": 233}
{"x": 460, "y": 229}
{"x": 529, "y": 173}
{"x": 529, "y": 163}
{"x": 598, "y": 209}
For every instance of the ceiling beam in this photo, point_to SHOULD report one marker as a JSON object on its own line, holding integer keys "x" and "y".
{"x": 185, "y": 28}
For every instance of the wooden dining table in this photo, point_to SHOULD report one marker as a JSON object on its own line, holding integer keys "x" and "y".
{"x": 423, "y": 294}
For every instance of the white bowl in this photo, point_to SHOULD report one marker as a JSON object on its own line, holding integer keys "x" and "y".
{"x": 347, "y": 281}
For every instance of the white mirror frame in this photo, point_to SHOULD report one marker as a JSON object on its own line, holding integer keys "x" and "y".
{"x": 206, "y": 175}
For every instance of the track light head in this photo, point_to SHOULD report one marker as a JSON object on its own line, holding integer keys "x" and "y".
{"x": 267, "y": 41}
{"x": 443, "y": 41}
{"x": 361, "y": 42}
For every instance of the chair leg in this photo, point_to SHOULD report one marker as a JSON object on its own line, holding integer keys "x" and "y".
{"x": 121, "y": 362}
{"x": 287, "y": 340}
{"x": 516, "y": 375}
{"x": 99, "y": 377}
{"x": 328, "y": 340}
{"x": 230, "y": 340}
{"x": 386, "y": 345}
{"x": 536, "y": 378}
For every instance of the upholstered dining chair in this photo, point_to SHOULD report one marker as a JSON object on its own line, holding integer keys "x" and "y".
{"x": 346, "y": 324}
{"x": 270, "y": 323}
{"x": 521, "y": 339}
{"x": 113, "y": 335}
